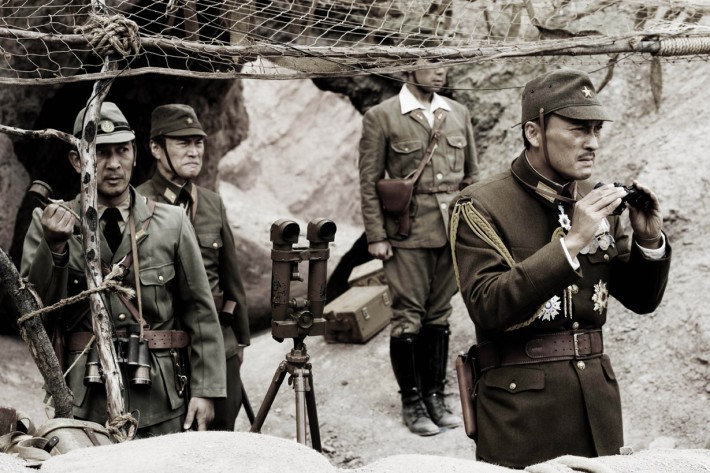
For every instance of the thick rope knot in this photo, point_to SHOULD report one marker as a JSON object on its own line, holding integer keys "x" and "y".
{"x": 112, "y": 35}
{"x": 123, "y": 427}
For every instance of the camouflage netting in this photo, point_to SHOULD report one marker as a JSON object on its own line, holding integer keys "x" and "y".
{"x": 68, "y": 40}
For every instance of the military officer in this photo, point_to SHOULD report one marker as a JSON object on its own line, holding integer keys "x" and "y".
{"x": 177, "y": 307}
{"x": 539, "y": 249}
{"x": 395, "y": 136}
{"x": 177, "y": 142}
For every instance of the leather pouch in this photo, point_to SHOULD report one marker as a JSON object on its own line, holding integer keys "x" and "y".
{"x": 395, "y": 197}
{"x": 466, "y": 375}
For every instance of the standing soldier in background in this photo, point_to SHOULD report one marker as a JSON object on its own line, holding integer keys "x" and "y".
{"x": 177, "y": 142}
{"x": 418, "y": 265}
{"x": 176, "y": 311}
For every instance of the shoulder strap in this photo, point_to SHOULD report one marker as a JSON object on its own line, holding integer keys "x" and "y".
{"x": 134, "y": 251}
{"x": 131, "y": 259}
{"x": 438, "y": 122}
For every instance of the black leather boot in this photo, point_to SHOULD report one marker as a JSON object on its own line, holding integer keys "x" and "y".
{"x": 432, "y": 354}
{"x": 414, "y": 413}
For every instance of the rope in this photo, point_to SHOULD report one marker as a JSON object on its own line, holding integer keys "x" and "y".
{"x": 112, "y": 35}
{"x": 118, "y": 423}
{"x": 109, "y": 283}
{"x": 483, "y": 230}
{"x": 683, "y": 46}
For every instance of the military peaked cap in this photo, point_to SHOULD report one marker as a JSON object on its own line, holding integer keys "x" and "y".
{"x": 175, "y": 120}
{"x": 566, "y": 92}
{"x": 111, "y": 128}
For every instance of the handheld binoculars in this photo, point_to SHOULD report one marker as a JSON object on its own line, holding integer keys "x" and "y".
{"x": 42, "y": 192}
{"x": 137, "y": 360}
{"x": 293, "y": 317}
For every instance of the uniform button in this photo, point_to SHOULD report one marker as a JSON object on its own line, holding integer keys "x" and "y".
{"x": 575, "y": 325}
{"x": 182, "y": 205}
{"x": 574, "y": 288}
{"x": 121, "y": 317}
{"x": 581, "y": 365}
{"x": 214, "y": 245}
{"x": 512, "y": 386}
{"x": 443, "y": 206}
{"x": 160, "y": 278}
{"x": 76, "y": 281}
{"x": 406, "y": 149}
{"x": 439, "y": 176}
{"x": 606, "y": 257}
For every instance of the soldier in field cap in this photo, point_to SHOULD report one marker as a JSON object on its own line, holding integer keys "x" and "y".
{"x": 175, "y": 309}
{"x": 538, "y": 250}
{"x": 177, "y": 142}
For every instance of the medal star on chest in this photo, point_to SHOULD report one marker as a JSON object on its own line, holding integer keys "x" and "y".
{"x": 600, "y": 297}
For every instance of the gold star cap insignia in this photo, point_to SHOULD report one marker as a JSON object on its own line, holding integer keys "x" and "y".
{"x": 587, "y": 92}
{"x": 107, "y": 126}
{"x": 188, "y": 120}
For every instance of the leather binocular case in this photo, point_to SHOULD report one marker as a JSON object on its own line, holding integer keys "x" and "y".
{"x": 138, "y": 359}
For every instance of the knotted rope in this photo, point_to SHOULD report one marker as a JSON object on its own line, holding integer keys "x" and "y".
{"x": 109, "y": 283}
{"x": 112, "y": 35}
{"x": 117, "y": 424}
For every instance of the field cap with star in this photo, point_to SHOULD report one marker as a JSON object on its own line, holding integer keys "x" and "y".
{"x": 112, "y": 127}
{"x": 565, "y": 92}
{"x": 175, "y": 120}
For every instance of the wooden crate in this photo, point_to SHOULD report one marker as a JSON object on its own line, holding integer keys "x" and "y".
{"x": 358, "y": 314}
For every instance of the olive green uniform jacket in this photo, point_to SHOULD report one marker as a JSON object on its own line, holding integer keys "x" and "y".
{"x": 219, "y": 255}
{"x": 531, "y": 413}
{"x": 395, "y": 144}
{"x": 175, "y": 295}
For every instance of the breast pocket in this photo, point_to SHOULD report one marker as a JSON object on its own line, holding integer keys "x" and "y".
{"x": 404, "y": 157}
{"x": 210, "y": 245}
{"x": 156, "y": 285}
{"x": 457, "y": 145}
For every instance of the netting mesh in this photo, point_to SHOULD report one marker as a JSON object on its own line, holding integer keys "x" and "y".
{"x": 61, "y": 41}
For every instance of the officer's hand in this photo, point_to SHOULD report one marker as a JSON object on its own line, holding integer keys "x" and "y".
{"x": 380, "y": 250}
{"x": 200, "y": 409}
{"x": 58, "y": 225}
{"x": 588, "y": 214}
{"x": 647, "y": 225}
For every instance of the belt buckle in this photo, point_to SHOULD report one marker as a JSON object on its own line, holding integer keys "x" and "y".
{"x": 575, "y": 342}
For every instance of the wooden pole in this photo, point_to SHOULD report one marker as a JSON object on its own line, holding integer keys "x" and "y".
{"x": 35, "y": 336}
{"x": 100, "y": 318}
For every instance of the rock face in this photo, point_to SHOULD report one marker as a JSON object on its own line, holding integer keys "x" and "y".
{"x": 299, "y": 162}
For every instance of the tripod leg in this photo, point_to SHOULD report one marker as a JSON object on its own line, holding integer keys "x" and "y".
{"x": 299, "y": 386}
{"x": 269, "y": 398}
{"x": 312, "y": 413}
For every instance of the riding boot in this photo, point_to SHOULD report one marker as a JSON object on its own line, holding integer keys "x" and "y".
{"x": 432, "y": 353}
{"x": 414, "y": 412}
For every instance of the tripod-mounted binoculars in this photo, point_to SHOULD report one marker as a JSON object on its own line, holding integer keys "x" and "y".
{"x": 297, "y": 318}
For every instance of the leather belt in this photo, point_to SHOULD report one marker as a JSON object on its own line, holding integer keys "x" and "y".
{"x": 157, "y": 339}
{"x": 440, "y": 189}
{"x": 574, "y": 345}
